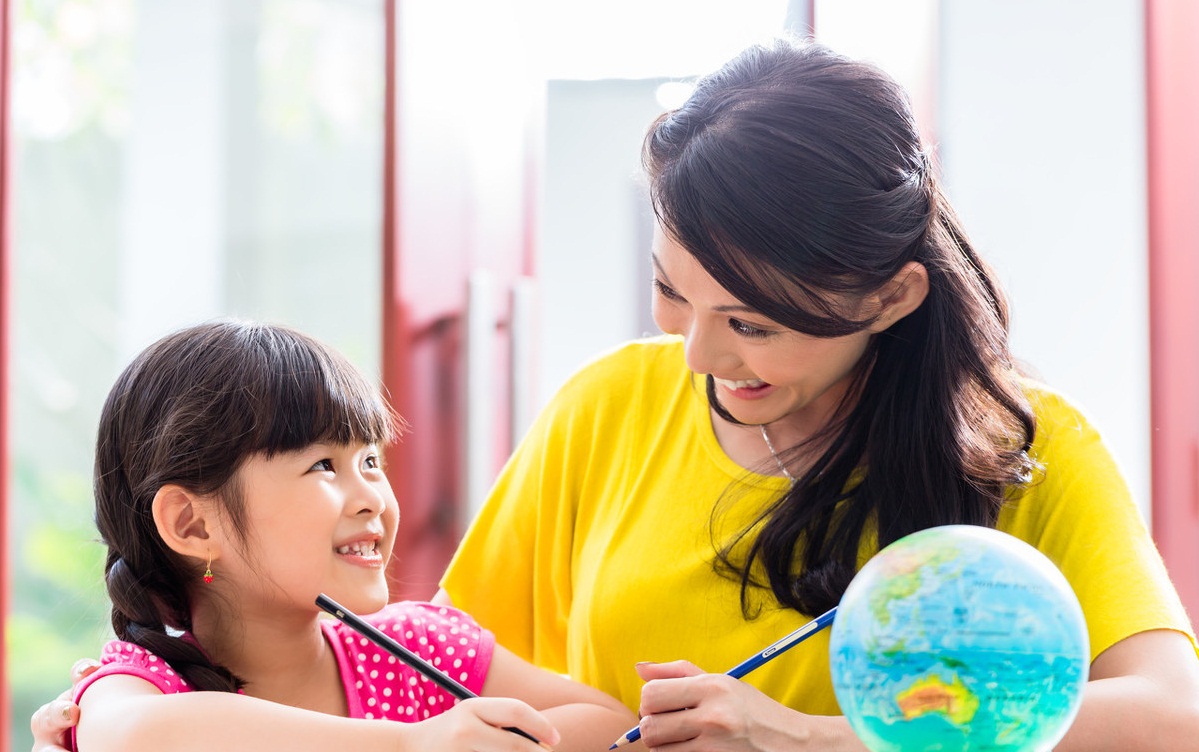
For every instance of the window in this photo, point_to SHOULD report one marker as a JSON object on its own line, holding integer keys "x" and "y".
{"x": 172, "y": 162}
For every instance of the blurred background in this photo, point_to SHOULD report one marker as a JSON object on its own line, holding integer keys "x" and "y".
{"x": 448, "y": 192}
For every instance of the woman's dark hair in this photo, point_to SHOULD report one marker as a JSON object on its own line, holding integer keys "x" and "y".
{"x": 189, "y": 410}
{"x": 796, "y": 178}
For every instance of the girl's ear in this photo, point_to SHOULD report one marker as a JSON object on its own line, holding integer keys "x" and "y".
{"x": 901, "y": 295}
{"x": 186, "y": 522}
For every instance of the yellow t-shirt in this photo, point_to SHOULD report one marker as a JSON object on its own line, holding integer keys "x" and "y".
{"x": 595, "y": 549}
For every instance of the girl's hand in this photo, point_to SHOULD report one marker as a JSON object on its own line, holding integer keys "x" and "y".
{"x": 683, "y": 709}
{"x": 479, "y": 725}
{"x": 52, "y": 722}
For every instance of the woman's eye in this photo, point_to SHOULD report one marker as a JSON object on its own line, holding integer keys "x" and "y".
{"x": 665, "y": 291}
{"x": 324, "y": 466}
{"x": 747, "y": 330}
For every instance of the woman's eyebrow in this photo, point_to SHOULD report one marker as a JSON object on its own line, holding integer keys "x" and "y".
{"x": 653, "y": 257}
{"x": 738, "y": 308}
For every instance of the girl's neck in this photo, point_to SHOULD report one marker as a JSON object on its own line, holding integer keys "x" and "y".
{"x": 282, "y": 660}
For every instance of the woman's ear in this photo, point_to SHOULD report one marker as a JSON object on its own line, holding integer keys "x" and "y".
{"x": 901, "y": 295}
{"x": 186, "y": 522}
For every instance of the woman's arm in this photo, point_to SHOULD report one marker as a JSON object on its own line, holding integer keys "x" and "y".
{"x": 1143, "y": 694}
{"x": 51, "y": 724}
{"x": 680, "y": 704}
{"x": 587, "y": 718}
{"x": 122, "y": 713}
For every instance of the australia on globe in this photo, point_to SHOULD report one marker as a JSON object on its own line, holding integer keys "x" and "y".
{"x": 959, "y": 638}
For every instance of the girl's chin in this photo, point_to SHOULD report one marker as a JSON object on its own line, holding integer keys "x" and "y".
{"x": 363, "y": 602}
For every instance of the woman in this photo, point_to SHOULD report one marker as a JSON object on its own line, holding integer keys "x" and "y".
{"x": 838, "y": 376}
{"x": 835, "y": 374}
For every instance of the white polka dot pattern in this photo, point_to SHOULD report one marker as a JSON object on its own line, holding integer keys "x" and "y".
{"x": 126, "y": 658}
{"x": 377, "y": 684}
{"x": 389, "y": 688}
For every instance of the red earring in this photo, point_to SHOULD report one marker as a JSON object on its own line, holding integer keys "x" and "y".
{"x": 208, "y": 571}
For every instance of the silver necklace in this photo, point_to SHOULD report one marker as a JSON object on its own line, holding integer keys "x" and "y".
{"x": 769, "y": 445}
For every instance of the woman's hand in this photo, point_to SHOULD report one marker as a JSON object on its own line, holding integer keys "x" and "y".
{"x": 52, "y": 722}
{"x": 683, "y": 708}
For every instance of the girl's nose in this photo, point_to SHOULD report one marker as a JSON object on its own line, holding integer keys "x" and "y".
{"x": 367, "y": 498}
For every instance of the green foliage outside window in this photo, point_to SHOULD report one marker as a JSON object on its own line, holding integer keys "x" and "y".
{"x": 282, "y": 211}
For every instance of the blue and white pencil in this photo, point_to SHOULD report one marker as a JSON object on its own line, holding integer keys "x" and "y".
{"x": 754, "y": 661}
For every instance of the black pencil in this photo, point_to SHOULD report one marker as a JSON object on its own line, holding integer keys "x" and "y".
{"x": 426, "y": 669}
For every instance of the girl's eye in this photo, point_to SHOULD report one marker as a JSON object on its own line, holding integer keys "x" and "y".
{"x": 665, "y": 291}
{"x": 324, "y": 466}
{"x": 372, "y": 462}
{"x": 748, "y": 330}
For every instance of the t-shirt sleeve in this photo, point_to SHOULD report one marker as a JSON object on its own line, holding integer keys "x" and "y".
{"x": 517, "y": 568}
{"x": 512, "y": 570}
{"x": 133, "y": 660}
{"x": 1081, "y": 514}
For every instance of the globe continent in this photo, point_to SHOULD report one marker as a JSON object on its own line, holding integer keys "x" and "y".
{"x": 959, "y": 638}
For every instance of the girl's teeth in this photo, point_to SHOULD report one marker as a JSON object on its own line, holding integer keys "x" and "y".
{"x": 357, "y": 548}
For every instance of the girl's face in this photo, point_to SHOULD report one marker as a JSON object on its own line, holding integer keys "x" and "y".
{"x": 321, "y": 520}
{"x": 763, "y": 371}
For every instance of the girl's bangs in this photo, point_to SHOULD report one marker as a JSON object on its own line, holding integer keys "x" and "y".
{"x": 314, "y": 396}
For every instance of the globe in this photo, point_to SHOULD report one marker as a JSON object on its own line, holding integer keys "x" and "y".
{"x": 959, "y": 638}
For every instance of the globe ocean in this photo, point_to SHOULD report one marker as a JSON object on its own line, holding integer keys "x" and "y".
{"x": 959, "y": 638}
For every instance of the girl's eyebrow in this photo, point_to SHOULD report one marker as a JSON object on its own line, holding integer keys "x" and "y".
{"x": 316, "y": 447}
{"x": 739, "y": 308}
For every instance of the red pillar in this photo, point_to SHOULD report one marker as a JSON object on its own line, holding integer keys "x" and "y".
{"x": 5, "y": 328}
{"x": 1172, "y": 68}
{"x": 457, "y": 237}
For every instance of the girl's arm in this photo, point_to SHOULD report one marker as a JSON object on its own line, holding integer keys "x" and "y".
{"x": 122, "y": 713}
{"x": 588, "y": 719}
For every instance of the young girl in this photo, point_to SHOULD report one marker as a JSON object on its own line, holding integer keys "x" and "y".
{"x": 237, "y": 477}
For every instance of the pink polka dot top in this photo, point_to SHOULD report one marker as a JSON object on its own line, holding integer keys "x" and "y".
{"x": 377, "y": 685}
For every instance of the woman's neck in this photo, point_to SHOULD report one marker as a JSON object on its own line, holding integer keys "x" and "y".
{"x": 766, "y": 449}
{"x": 765, "y": 453}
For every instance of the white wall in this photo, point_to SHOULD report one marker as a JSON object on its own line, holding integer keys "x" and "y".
{"x": 1038, "y": 118}
{"x": 1041, "y": 134}
{"x": 593, "y": 271}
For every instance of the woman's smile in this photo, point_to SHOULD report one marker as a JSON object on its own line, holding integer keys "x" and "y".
{"x": 745, "y": 389}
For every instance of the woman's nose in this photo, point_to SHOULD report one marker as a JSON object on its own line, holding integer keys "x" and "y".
{"x": 704, "y": 349}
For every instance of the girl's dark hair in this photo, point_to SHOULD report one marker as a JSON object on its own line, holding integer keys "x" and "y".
{"x": 189, "y": 410}
{"x": 796, "y": 177}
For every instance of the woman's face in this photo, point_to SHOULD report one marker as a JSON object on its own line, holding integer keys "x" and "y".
{"x": 763, "y": 371}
